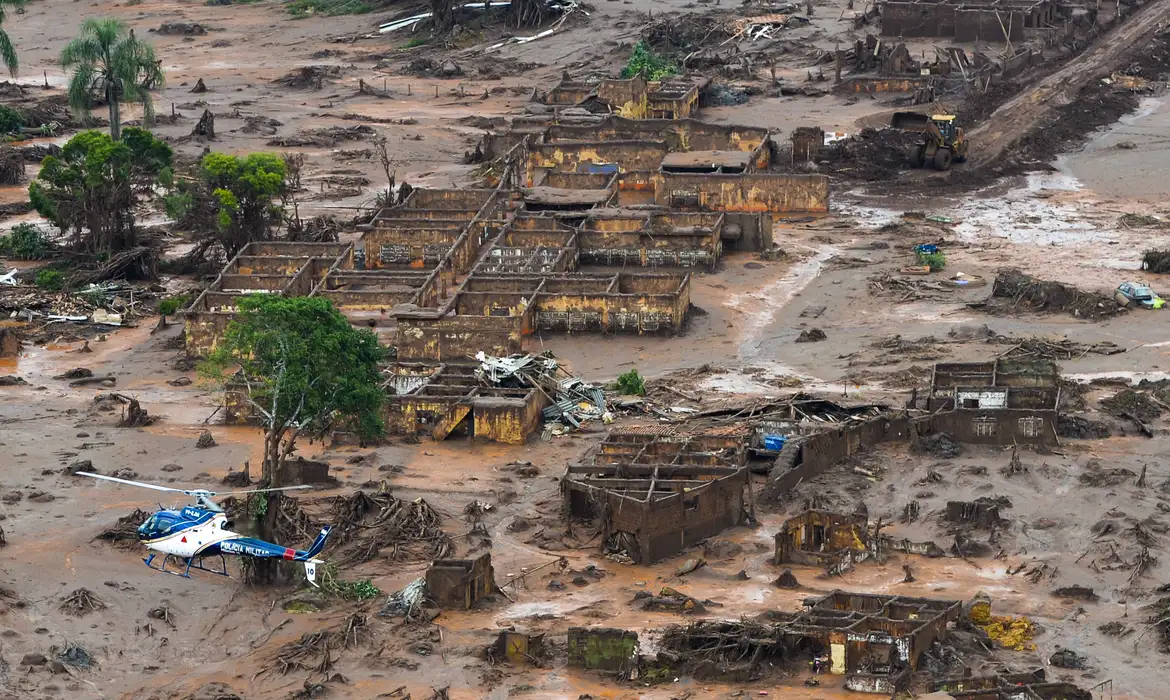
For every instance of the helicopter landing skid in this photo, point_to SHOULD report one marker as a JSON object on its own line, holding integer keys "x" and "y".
{"x": 192, "y": 563}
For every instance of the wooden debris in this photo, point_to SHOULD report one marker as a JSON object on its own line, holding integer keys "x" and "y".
{"x": 81, "y": 602}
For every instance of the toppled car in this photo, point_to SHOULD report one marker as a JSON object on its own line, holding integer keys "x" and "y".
{"x": 1138, "y": 295}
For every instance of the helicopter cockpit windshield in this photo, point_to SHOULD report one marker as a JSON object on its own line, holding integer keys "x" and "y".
{"x": 159, "y": 525}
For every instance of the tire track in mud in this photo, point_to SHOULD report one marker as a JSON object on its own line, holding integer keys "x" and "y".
{"x": 1023, "y": 113}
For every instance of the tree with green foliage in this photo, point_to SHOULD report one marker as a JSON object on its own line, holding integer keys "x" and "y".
{"x": 90, "y": 190}
{"x": 647, "y": 64}
{"x": 7, "y": 50}
{"x": 304, "y": 370}
{"x": 110, "y": 64}
{"x": 235, "y": 200}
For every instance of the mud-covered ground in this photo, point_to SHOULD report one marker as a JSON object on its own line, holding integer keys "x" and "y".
{"x": 1072, "y": 516}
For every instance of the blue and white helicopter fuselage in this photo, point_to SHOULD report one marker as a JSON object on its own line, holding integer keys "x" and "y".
{"x": 193, "y": 533}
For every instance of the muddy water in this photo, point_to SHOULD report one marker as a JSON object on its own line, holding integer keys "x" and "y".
{"x": 1107, "y": 168}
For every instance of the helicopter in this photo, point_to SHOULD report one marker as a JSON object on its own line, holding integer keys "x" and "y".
{"x": 192, "y": 533}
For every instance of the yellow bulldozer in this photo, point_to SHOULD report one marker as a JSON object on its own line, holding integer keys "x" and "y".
{"x": 943, "y": 141}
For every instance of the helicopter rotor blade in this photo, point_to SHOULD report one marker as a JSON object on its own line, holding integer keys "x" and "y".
{"x": 280, "y": 488}
{"x": 103, "y": 477}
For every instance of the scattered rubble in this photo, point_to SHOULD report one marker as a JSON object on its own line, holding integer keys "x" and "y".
{"x": 324, "y": 137}
{"x": 811, "y": 335}
{"x": 574, "y": 400}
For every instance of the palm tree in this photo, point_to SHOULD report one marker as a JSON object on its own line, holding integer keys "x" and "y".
{"x": 109, "y": 63}
{"x": 7, "y": 50}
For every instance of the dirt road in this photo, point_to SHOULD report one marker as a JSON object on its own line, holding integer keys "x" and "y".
{"x": 1028, "y": 109}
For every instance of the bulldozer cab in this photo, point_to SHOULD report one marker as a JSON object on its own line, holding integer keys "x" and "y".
{"x": 945, "y": 123}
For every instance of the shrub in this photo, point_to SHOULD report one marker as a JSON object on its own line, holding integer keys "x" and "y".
{"x": 651, "y": 66}
{"x": 936, "y": 261}
{"x": 168, "y": 306}
{"x": 25, "y": 242}
{"x": 631, "y": 384}
{"x": 10, "y": 120}
{"x": 51, "y": 280}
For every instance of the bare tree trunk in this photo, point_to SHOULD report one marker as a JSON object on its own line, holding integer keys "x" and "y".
{"x": 267, "y": 572}
{"x": 115, "y": 114}
{"x": 527, "y": 13}
{"x": 442, "y": 15}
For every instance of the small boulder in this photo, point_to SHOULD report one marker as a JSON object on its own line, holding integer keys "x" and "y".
{"x": 811, "y": 335}
{"x": 81, "y": 465}
{"x": 33, "y": 659}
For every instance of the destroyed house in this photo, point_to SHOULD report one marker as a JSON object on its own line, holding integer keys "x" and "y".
{"x": 652, "y": 498}
{"x": 1000, "y": 402}
{"x": 836, "y": 541}
{"x": 286, "y": 269}
{"x": 818, "y": 537}
{"x": 494, "y": 313}
{"x": 458, "y": 584}
{"x": 1031, "y": 685}
{"x": 633, "y": 98}
{"x": 876, "y": 641}
{"x": 444, "y": 400}
{"x": 680, "y": 165}
{"x": 968, "y": 21}
{"x": 720, "y": 446}
{"x": 814, "y": 434}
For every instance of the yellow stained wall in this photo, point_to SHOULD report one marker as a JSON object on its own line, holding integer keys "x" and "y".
{"x": 752, "y": 192}
{"x": 499, "y": 422}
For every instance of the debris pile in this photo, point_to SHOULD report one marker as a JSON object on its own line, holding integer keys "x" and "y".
{"x": 1128, "y": 403}
{"x": 907, "y": 289}
{"x": 574, "y": 401}
{"x": 1159, "y": 618}
{"x": 93, "y": 305}
{"x": 309, "y": 77}
{"x": 75, "y": 655}
{"x": 669, "y": 600}
{"x": 1026, "y": 292}
{"x": 725, "y": 643}
{"x": 124, "y": 533}
{"x": 940, "y": 445}
{"x": 325, "y": 137}
{"x": 1081, "y": 428}
{"x": 1157, "y": 261}
{"x": 1062, "y": 349}
{"x": 368, "y": 523}
{"x": 407, "y": 603}
{"x": 313, "y": 652}
{"x": 80, "y": 603}
{"x": 871, "y": 155}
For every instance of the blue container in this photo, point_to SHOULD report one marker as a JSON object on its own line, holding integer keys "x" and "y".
{"x": 774, "y": 443}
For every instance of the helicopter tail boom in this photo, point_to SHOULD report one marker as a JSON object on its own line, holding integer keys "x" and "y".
{"x": 319, "y": 543}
